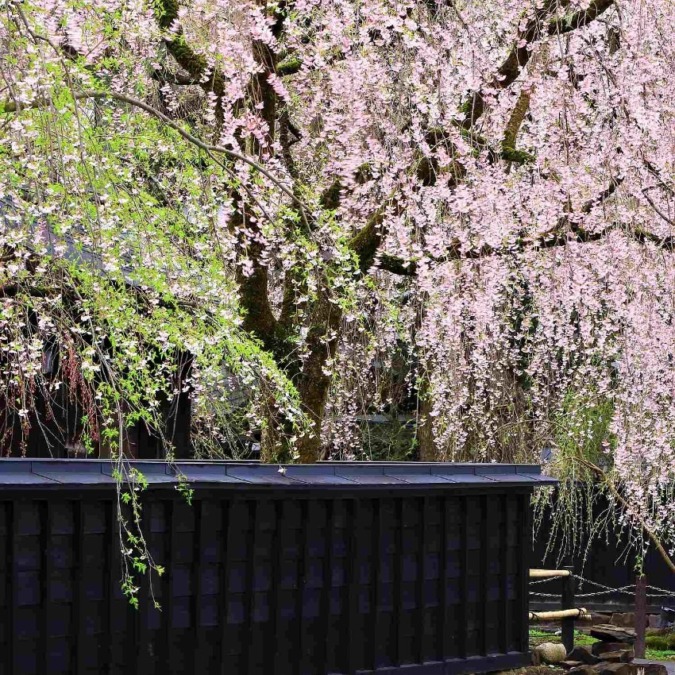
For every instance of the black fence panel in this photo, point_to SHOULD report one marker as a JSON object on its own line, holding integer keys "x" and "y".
{"x": 418, "y": 577}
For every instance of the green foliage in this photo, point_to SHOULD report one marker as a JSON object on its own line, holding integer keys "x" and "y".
{"x": 662, "y": 643}
{"x": 582, "y": 429}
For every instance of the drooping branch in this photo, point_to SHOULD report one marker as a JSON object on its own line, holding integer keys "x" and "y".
{"x": 13, "y": 106}
{"x": 253, "y": 286}
{"x": 651, "y": 535}
{"x": 567, "y": 230}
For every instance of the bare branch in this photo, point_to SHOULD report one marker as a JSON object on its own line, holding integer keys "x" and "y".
{"x": 579, "y": 19}
{"x": 521, "y": 52}
{"x": 670, "y": 221}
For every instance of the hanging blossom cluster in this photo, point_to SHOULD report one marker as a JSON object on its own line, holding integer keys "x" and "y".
{"x": 332, "y": 206}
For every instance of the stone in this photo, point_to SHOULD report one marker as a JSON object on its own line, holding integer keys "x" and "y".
{"x": 618, "y": 620}
{"x": 619, "y": 656}
{"x": 584, "y": 655}
{"x": 600, "y": 617}
{"x": 583, "y": 669}
{"x": 625, "y": 620}
{"x": 550, "y": 652}
{"x": 605, "y": 668}
{"x": 655, "y": 621}
{"x": 609, "y": 633}
{"x": 570, "y": 665}
{"x": 599, "y": 648}
{"x": 651, "y": 669}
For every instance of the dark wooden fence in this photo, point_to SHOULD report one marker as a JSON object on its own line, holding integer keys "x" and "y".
{"x": 606, "y": 564}
{"x": 323, "y": 570}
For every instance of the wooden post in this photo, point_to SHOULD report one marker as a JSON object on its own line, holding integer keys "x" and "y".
{"x": 640, "y": 615}
{"x": 568, "y": 603}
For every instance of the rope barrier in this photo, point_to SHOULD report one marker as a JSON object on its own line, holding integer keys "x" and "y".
{"x": 544, "y": 576}
{"x": 626, "y": 590}
{"x": 542, "y": 581}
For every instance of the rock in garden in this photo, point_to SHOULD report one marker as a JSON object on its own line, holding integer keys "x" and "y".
{"x": 620, "y": 656}
{"x": 605, "y": 668}
{"x": 584, "y": 655}
{"x": 655, "y": 621}
{"x": 571, "y": 665}
{"x": 551, "y": 652}
{"x": 625, "y": 619}
{"x": 652, "y": 669}
{"x": 600, "y": 648}
{"x": 609, "y": 633}
{"x": 583, "y": 669}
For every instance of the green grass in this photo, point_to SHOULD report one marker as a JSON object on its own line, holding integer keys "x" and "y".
{"x": 664, "y": 643}
{"x": 659, "y": 647}
{"x": 539, "y": 636}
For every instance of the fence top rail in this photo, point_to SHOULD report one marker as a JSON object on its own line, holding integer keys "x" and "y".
{"x": 94, "y": 472}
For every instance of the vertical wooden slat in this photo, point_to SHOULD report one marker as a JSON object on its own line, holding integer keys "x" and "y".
{"x": 104, "y": 644}
{"x": 373, "y": 641}
{"x": 463, "y": 650}
{"x": 45, "y": 579}
{"x": 504, "y": 623}
{"x": 483, "y": 579}
{"x": 423, "y": 642}
{"x": 398, "y": 579}
{"x": 324, "y": 623}
{"x": 272, "y": 664}
{"x": 284, "y": 627}
{"x": 225, "y": 668}
{"x": 525, "y": 539}
{"x": 201, "y": 651}
{"x": 302, "y": 658}
{"x": 339, "y": 630}
{"x": 115, "y": 608}
{"x": 9, "y": 611}
{"x": 446, "y": 616}
{"x": 80, "y": 642}
{"x": 167, "y": 603}
{"x": 355, "y": 624}
{"x": 144, "y": 662}
{"x": 249, "y": 656}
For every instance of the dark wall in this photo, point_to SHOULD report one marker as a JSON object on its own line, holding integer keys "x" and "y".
{"x": 263, "y": 584}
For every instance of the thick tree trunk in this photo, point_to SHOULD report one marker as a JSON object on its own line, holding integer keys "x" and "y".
{"x": 312, "y": 383}
{"x": 425, "y": 436}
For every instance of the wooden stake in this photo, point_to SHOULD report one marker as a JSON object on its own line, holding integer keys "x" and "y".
{"x": 640, "y": 615}
{"x": 568, "y": 603}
